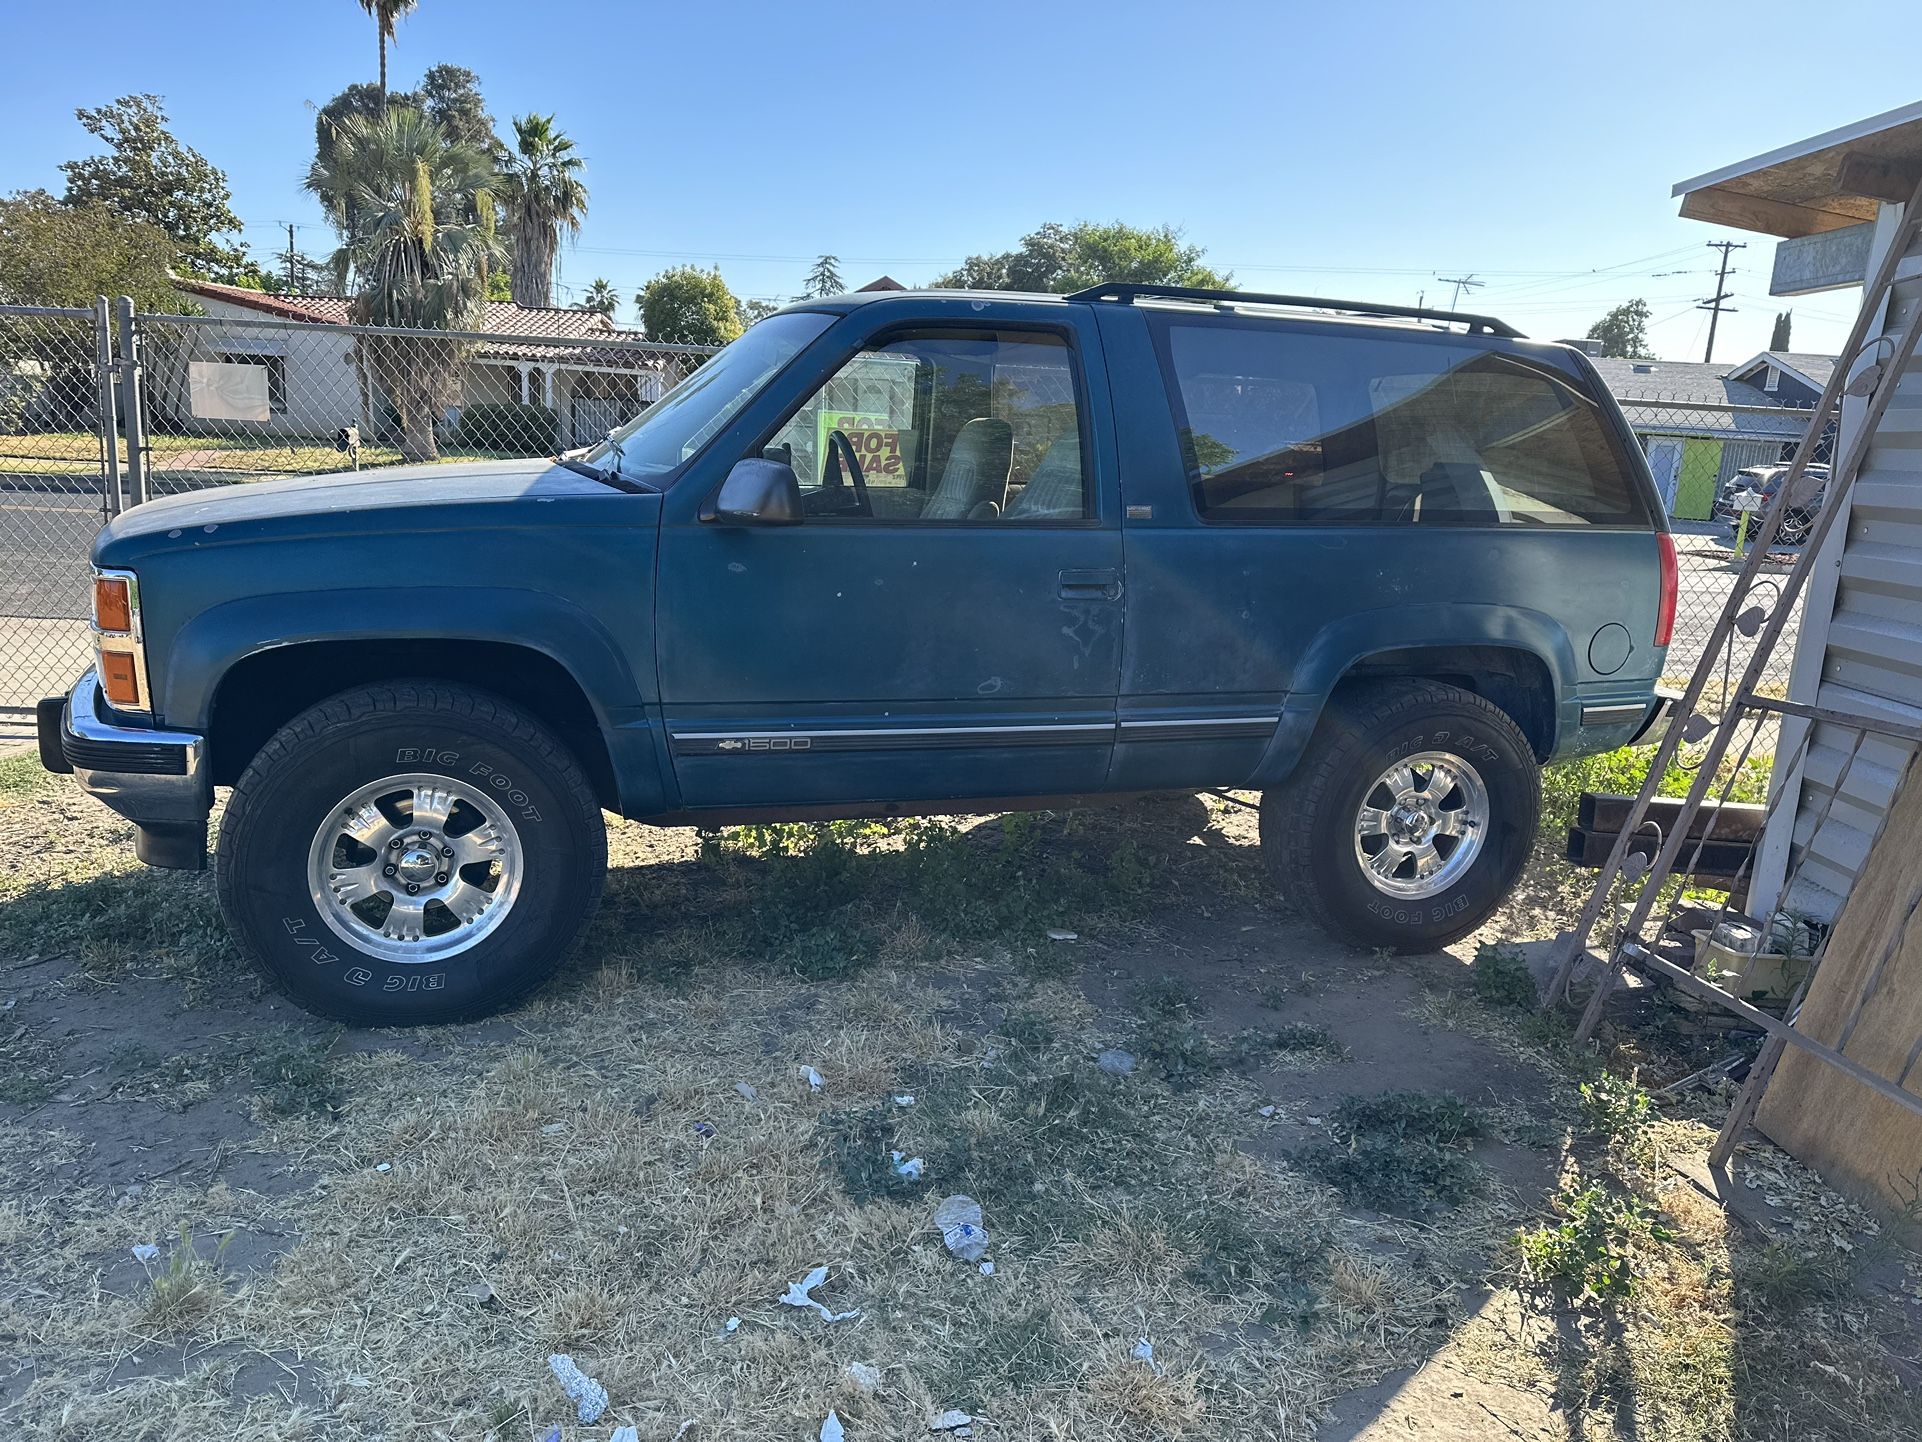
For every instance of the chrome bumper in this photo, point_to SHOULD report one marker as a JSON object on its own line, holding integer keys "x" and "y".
{"x": 156, "y": 779}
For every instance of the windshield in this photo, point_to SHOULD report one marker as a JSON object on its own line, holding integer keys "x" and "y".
{"x": 680, "y": 422}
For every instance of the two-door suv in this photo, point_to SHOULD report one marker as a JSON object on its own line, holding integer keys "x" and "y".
{"x": 891, "y": 554}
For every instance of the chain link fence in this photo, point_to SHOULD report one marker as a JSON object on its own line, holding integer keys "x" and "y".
{"x": 52, "y": 495}
{"x": 231, "y": 399}
{"x": 1705, "y": 457}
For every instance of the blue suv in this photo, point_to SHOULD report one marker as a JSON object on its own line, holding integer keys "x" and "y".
{"x": 894, "y": 554}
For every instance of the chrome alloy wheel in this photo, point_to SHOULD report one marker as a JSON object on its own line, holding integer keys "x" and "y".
{"x": 1421, "y": 825}
{"x": 414, "y": 868}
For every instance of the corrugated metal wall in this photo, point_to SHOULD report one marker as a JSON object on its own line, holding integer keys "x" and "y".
{"x": 1871, "y": 658}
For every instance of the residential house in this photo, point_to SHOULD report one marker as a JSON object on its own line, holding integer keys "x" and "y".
{"x": 575, "y": 362}
{"x": 1700, "y": 424}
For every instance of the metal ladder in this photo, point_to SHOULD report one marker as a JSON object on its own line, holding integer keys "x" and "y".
{"x": 1877, "y": 381}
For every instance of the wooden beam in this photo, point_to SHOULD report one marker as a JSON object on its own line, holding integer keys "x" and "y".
{"x": 1752, "y": 212}
{"x": 1890, "y": 180}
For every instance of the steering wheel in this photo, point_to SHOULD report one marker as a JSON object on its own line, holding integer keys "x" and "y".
{"x": 842, "y": 449}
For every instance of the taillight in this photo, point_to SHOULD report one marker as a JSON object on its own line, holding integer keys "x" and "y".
{"x": 1665, "y": 601}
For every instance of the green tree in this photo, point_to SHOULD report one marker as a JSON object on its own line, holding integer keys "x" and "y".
{"x": 149, "y": 177}
{"x": 545, "y": 195}
{"x": 758, "y": 308}
{"x": 1624, "y": 331}
{"x": 1059, "y": 257}
{"x": 386, "y": 14}
{"x": 1779, "y": 337}
{"x": 57, "y": 254}
{"x": 825, "y": 278}
{"x": 420, "y": 245}
{"x": 689, "y": 306}
{"x": 602, "y": 296}
{"x": 449, "y": 95}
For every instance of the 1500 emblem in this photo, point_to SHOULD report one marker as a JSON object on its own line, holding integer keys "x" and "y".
{"x": 764, "y": 743}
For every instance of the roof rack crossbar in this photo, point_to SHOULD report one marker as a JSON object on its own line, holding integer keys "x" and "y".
{"x": 1127, "y": 293}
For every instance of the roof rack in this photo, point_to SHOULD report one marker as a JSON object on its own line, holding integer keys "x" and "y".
{"x": 1129, "y": 292}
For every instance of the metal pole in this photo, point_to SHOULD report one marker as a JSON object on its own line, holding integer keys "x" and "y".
{"x": 108, "y": 419}
{"x": 130, "y": 407}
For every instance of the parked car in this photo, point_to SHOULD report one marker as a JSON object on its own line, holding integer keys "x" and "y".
{"x": 891, "y": 554}
{"x": 1765, "y": 481}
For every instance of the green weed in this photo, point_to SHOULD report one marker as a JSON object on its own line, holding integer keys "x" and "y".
{"x": 1586, "y": 1254}
{"x": 1399, "y": 1151}
{"x": 1501, "y": 977}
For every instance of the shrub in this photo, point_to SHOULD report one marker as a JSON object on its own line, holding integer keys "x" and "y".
{"x": 503, "y": 426}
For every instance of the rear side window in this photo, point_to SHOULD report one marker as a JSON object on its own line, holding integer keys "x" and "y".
{"x": 1312, "y": 427}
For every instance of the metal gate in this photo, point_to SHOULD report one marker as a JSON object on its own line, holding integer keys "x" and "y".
{"x": 60, "y": 462}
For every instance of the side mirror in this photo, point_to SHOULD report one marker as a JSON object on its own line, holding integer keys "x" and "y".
{"x": 758, "y": 492}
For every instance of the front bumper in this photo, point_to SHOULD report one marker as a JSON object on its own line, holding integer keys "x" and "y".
{"x": 156, "y": 779}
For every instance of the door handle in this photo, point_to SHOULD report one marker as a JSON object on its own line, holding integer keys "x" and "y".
{"x": 1097, "y": 585}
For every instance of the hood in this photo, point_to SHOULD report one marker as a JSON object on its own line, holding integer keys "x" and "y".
{"x": 455, "y": 481}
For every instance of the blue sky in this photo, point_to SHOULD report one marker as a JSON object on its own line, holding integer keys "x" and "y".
{"x": 1351, "y": 150}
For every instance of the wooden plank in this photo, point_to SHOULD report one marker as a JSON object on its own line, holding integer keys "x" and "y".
{"x": 1890, "y": 180}
{"x": 1731, "y": 820}
{"x": 1866, "y": 1000}
{"x": 1751, "y": 212}
{"x": 1720, "y": 861}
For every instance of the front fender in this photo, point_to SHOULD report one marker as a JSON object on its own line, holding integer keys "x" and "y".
{"x": 210, "y": 642}
{"x": 1344, "y": 643}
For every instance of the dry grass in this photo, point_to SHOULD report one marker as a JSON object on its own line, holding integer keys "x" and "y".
{"x": 430, "y": 1216}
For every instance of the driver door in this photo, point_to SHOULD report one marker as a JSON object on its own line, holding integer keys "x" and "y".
{"x": 945, "y": 621}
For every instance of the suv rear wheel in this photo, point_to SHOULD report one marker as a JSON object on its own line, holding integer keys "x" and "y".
{"x": 408, "y": 853}
{"x": 1408, "y": 818}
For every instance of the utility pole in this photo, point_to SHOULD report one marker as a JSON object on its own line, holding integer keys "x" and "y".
{"x": 291, "y": 287}
{"x": 1713, "y": 305}
{"x": 1461, "y": 283}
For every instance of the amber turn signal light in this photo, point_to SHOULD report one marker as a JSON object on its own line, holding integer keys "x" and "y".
{"x": 119, "y": 679}
{"x": 112, "y": 605}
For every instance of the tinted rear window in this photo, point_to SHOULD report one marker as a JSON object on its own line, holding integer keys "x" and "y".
{"x": 1306, "y": 427}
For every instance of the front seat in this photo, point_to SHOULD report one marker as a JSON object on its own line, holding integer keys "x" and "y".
{"x": 1053, "y": 492}
{"x": 974, "y": 485}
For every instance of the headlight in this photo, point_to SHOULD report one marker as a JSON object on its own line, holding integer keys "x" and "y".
{"x": 118, "y": 650}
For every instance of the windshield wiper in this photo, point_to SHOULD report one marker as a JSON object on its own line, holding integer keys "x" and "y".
{"x": 607, "y": 478}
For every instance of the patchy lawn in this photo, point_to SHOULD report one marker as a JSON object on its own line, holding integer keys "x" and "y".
{"x": 77, "y": 453}
{"x": 1322, "y": 1194}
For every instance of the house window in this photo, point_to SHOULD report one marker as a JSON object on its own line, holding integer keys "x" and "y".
{"x": 1773, "y": 381}
{"x": 276, "y": 367}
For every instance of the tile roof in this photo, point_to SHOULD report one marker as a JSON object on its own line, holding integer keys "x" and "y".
{"x": 569, "y": 326}
{"x": 501, "y": 317}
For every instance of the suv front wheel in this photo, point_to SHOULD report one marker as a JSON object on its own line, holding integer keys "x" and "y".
{"x": 1407, "y": 819}
{"x": 411, "y": 852}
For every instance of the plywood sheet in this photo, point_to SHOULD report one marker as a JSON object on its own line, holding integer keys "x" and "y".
{"x": 1863, "y": 1143}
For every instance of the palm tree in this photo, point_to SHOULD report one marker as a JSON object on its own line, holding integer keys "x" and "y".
{"x": 603, "y": 297}
{"x": 545, "y": 195}
{"x": 387, "y": 14}
{"x": 416, "y": 217}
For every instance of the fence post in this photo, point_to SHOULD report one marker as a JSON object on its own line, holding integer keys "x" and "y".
{"x": 130, "y": 406}
{"x": 107, "y": 418}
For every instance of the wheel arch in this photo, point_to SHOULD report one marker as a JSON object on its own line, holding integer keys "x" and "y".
{"x": 264, "y": 689}
{"x": 1519, "y": 660}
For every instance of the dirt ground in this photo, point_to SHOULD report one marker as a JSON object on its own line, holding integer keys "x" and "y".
{"x": 1290, "y": 1210}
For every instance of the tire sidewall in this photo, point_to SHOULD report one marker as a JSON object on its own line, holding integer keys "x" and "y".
{"x": 1510, "y": 773}
{"x": 265, "y": 853}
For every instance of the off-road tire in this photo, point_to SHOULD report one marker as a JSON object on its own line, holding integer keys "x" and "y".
{"x": 1308, "y": 822}
{"x": 359, "y": 737}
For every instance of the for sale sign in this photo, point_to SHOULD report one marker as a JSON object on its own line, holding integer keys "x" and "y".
{"x": 879, "y": 445}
